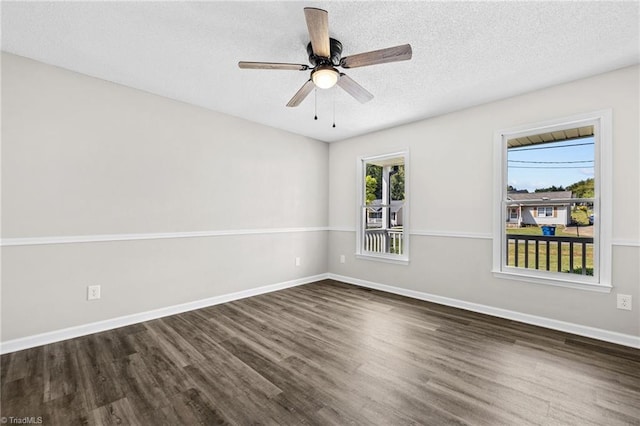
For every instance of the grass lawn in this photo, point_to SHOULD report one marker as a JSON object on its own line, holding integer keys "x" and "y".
{"x": 534, "y": 230}
{"x": 552, "y": 248}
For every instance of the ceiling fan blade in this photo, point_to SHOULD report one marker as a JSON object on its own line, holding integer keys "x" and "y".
{"x": 354, "y": 89}
{"x": 301, "y": 94}
{"x": 272, "y": 66}
{"x": 318, "y": 26}
{"x": 390, "y": 54}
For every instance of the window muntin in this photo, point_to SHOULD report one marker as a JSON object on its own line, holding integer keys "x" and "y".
{"x": 383, "y": 206}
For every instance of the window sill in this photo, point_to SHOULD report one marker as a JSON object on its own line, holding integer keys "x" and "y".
{"x": 557, "y": 282}
{"x": 398, "y": 260}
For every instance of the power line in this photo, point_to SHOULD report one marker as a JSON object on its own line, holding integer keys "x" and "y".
{"x": 550, "y": 167}
{"x": 549, "y": 147}
{"x": 550, "y": 162}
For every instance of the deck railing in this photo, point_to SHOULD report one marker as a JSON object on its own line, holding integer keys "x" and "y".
{"x": 564, "y": 254}
{"x": 384, "y": 241}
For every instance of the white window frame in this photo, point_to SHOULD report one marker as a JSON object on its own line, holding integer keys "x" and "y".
{"x": 603, "y": 140}
{"x": 403, "y": 258}
{"x": 544, "y": 209}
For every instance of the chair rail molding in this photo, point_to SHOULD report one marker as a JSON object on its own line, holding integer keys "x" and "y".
{"x": 29, "y": 241}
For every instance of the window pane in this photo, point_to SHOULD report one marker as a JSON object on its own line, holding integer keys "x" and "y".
{"x": 373, "y": 183}
{"x": 383, "y": 212}
{"x": 549, "y": 201}
{"x": 397, "y": 183}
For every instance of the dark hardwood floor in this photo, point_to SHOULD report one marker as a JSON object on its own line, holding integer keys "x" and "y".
{"x": 325, "y": 353}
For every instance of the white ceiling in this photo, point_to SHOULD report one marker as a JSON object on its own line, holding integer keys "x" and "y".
{"x": 464, "y": 53}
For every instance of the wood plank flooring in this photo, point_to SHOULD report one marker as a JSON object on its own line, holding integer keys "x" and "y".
{"x": 325, "y": 353}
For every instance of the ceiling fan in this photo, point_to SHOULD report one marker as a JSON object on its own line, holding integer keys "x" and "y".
{"x": 325, "y": 55}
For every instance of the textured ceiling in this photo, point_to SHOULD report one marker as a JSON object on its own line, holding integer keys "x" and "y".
{"x": 464, "y": 53}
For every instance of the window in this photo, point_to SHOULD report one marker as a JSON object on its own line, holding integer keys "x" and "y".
{"x": 552, "y": 188}
{"x": 383, "y": 208}
{"x": 545, "y": 211}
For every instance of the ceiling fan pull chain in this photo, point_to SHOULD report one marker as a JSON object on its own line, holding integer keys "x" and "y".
{"x": 315, "y": 95}
{"x": 334, "y": 108}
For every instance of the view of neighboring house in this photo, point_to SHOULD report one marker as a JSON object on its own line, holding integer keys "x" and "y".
{"x": 375, "y": 214}
{"x": 539, "y": 208}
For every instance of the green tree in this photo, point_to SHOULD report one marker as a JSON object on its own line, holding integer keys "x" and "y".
{"x": 397, "y": 184}
{"x": 580, "y": 215}
{"x": 376, "y": 173}
{"x": 371, "y": 184}
{"x": 552, "y": 188}
{"x": 583, "y": 189}
{"x": 513, "y": 189}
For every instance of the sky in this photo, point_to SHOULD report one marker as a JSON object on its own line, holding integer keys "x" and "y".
{"x": 544, "y": 165}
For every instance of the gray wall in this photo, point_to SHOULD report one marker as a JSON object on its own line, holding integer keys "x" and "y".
{"x": 450, "y": 176}
{"x": 82, "y": 157}
{"x": 85, "y": 158}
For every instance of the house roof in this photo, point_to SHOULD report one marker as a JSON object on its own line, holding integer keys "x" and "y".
{"x": 464, "y": 53}
{"x": 542, "y": 196}
{"x": 555, "y": 136}
{"x": 394, "y": 206}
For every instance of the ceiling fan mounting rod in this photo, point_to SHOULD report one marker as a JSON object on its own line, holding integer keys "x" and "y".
{"x": 334, "y": 58}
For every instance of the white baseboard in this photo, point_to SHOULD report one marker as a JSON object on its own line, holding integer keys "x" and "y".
{"x": 581, "y": 330}
{"x": 96, "y": 327}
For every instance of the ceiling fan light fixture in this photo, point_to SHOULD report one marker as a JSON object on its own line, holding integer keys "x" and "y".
{"x": 325, "y": 77}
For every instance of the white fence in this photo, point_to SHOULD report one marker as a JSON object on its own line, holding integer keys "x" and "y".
{"x": 384, "y": 241}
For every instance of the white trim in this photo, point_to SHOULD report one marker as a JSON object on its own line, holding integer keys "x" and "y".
{"x": 429, "y": 233}
{"x": 342, "y": 229}
{"x": 471, "y": 235}
{"x": 371, "y": 158}
{"x": 360, "y": 172}
{"x": 398, "y": 260}
{"x": 529, "y": 277}
{"x": 603, "y": 139}
{"x": 452, "y": 234}
{"x": 96, "y": 327}
{"x": 603, "y": 208}
{"x": 625, "y": 243}
{"x": 29, "y": 241}
{"x": 580, "y": 330}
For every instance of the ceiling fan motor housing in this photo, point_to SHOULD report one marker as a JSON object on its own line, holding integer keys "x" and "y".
{"x": 336, "y": 53}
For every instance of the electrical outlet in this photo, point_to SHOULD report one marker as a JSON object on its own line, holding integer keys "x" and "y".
{"x": 343, "y": 259}
{"x": 624, "y": 301}
{"x": 297, "y": 261}
{"x": 93, "y": 292}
